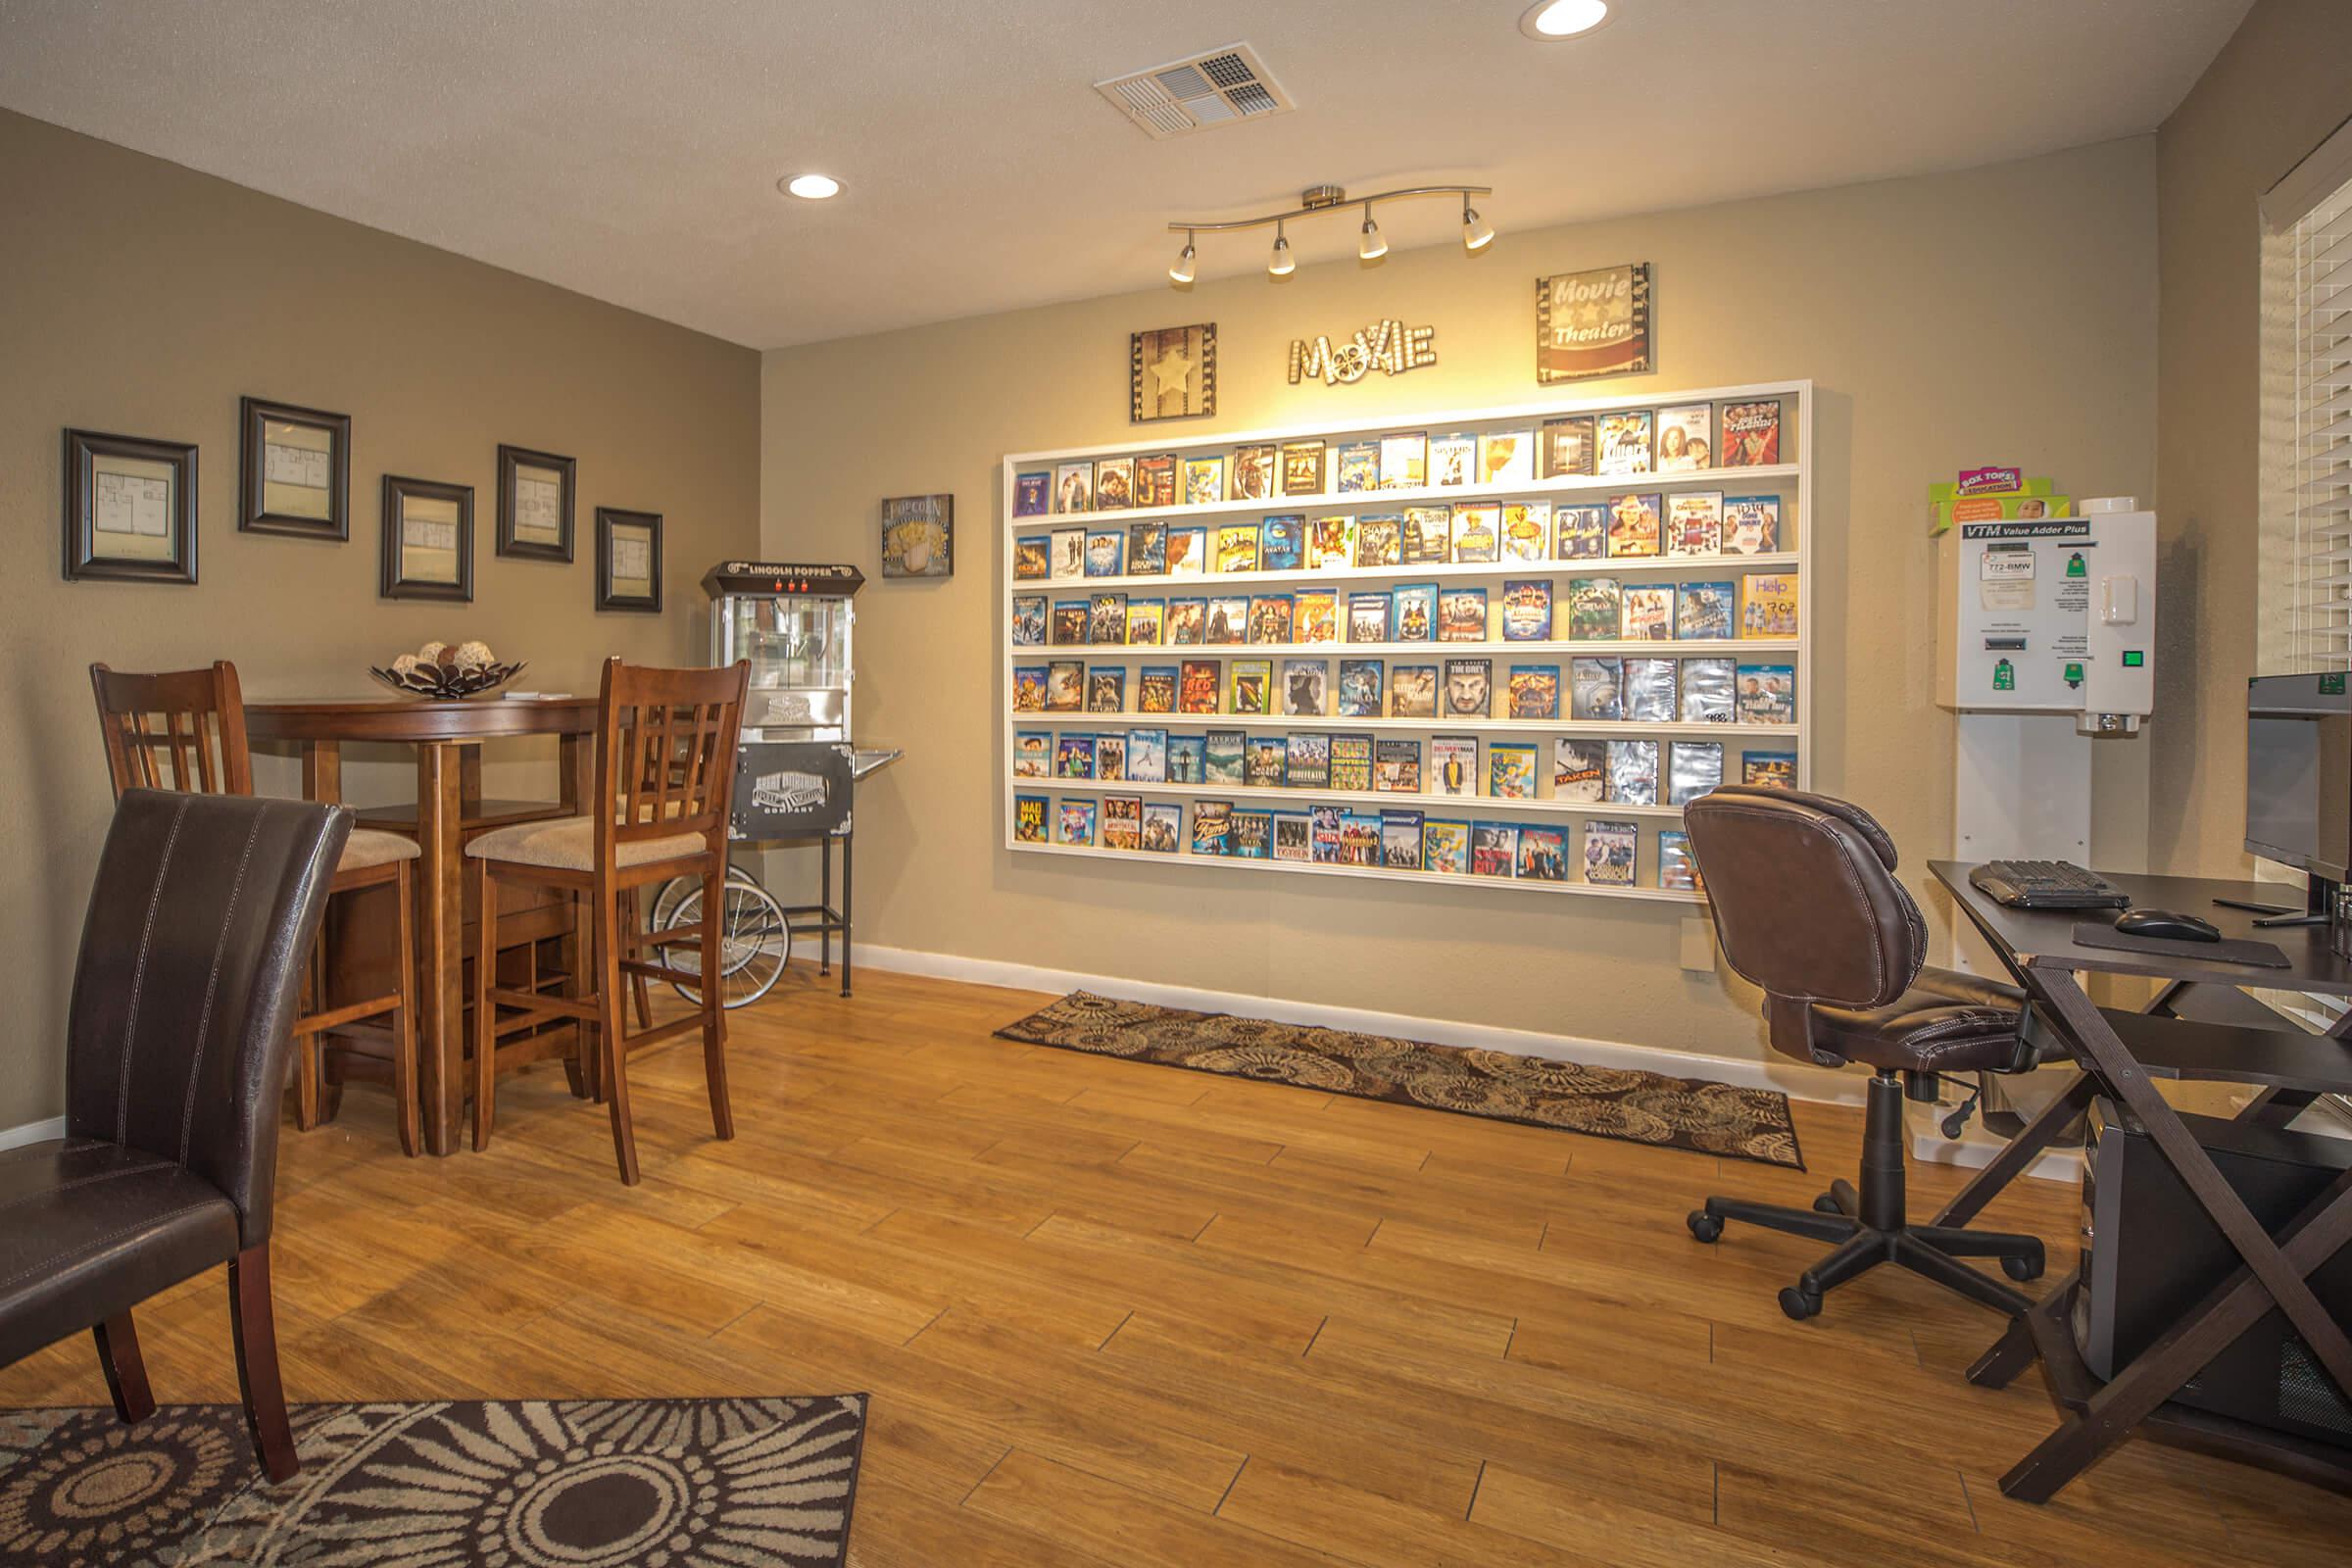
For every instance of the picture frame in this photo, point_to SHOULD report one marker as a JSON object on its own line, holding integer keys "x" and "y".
{"x": 428, "y": 540}
{"x": 1592, "y": 323}
{"x": 535, "y": 491}
{"x": 628, "y": 560}
{"x": 129, "y": 508}
{"x": 1172, "y": 373}
{"x": 918, "y": 536}
{"x": 293, "y": 471}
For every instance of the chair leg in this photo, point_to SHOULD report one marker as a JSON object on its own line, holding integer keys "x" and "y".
{"x": 1927, "y": 1260}
{"x": 641, "y": 993}
{"x": 714, "y": 1001}
{"x": 485, "y": 1013}
{"x": 613, "y": 1053}
{"x": 1804, "y": 1222}
{"x": 125, "y": 1369}
{"x": 1954, "y": 1242}
{"x": 404, "y": 1022}
{"x": 255, "y": 1328}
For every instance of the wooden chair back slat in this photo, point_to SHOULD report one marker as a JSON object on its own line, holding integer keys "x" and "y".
{"x": 665, "y": 752}
{"x": 180, "y": 730}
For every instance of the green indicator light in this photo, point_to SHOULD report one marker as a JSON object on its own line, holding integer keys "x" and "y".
{"x": 2134, "y": 659}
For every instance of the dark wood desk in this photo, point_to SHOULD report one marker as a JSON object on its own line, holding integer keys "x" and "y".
{"x": 2120, "y": 1055}
{"x": 448, "y": 738}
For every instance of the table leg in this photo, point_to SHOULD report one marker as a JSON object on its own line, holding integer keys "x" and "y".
{"x": 825, "y": 904}
{"x": 322, "y": 771}
{"x": 847, "y": 879}
{"x": 441, "y": 937}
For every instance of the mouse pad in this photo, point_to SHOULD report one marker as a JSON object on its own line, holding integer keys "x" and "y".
{"x": 2098, "y": 934}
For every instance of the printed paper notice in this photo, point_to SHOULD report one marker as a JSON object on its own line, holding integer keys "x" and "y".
{"x": 2005, "y": 577}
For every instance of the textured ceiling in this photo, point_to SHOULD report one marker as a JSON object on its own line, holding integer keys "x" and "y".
{"x": 630, "y": 149}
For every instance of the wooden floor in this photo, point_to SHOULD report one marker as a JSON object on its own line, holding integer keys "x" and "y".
{"x": 1113, "y": 1313}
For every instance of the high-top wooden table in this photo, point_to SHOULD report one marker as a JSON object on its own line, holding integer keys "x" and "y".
{"x": 448, "y": 738}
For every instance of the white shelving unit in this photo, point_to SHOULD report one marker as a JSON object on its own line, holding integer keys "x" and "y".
{"x": 1791, "y": 481}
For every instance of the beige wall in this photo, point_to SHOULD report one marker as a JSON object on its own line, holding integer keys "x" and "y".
{"x": 1997, "y": 315}
{"x": 139, "y": 297}
{"x": 2278, "y": 90}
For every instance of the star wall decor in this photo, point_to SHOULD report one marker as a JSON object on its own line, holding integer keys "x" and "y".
{"x": 1172, "y": 373}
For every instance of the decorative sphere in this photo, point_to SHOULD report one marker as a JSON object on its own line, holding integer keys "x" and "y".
{"x": 472, "y": 655}
{"x": 406, "y": 664}
{"x": 430, "y": 652}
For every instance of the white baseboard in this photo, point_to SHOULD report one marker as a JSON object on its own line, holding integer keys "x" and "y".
{"x": 32, "y": 1132}
{"x": 1974, "y": 1149}
{"x": 1797, "y": 1081}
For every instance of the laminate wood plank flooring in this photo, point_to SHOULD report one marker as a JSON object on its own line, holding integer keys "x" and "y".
{"x": 1115, "y": 1313}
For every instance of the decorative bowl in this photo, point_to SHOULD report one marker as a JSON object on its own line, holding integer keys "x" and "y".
{"x": 447, "y": 683}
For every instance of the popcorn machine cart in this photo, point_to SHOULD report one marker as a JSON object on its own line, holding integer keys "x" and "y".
{"x": 797, "y": 766}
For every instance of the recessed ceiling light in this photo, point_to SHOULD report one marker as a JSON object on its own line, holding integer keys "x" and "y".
{"x": 812, "y": 187}
{"x": 1549, "y": 21}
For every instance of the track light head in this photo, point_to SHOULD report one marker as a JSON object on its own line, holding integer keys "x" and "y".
{"x": 1476, "y": 235}
{"x": 1182, "y": 271}
{"x": 1373, "y": 245}
{"x": 1281, "y": 263}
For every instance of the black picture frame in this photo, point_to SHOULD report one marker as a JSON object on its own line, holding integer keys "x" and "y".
{"x": 510, "y": 460}
{"x": 84, "y": 559}
{"x": 254, "y": 417}
{"x": 393, "y": 582}
{"x": 607, "y": 519}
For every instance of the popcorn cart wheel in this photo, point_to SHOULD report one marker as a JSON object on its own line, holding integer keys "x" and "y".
{"x": 754, "y": 939}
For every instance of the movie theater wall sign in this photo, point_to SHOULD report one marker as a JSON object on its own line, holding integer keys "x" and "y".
{"x": 1388, "y": 346}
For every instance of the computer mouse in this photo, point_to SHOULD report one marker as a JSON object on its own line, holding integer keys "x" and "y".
{"x": 2165, "y": 924}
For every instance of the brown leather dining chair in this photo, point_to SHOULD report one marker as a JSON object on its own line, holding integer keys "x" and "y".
{"x": 665, "y": 782}
{"x": 1806, "y": 905}
{"x": 185, "y": 730}
{"x": 175, "y": 1056}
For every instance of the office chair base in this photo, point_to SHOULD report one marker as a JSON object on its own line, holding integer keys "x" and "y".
{"x": 1868, "y": 1226}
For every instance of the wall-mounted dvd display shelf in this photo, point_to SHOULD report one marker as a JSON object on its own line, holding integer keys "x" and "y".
{"x": 1499, "y": 646}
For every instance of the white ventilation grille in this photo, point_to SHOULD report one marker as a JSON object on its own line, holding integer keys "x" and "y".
{"x": 1222, "y": 87}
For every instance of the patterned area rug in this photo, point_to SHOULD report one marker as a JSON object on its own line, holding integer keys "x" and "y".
{"x": 1640, "y": 1107}
{"x": 516, "y": 1484}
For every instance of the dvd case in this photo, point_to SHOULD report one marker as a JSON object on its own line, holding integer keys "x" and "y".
{"x": 1294, "y": 839}
{"x": 1493, "y": 849}
{"x": 1706, "y": 690}
{"x": 1704, "y": 610}
{"x": 1282, "y": 542}
{"x": 1229, "y": 619}
{"x": 1414, "y": 611}
{"x": 1302, "y": 687}
{"x": 1751, "y": 526}
{"x": 1351, "y": 763}
{"x": 1263, "y": 758}
{"x": 1330, "y": 544}
{"x": 1187, "y": 551}
{"x": 1253, "y": 835}
{"x": 1579, "y": 769}
{"x": 1634, "y": 528}
{"x": 1306, "y": 762}
{"x": 1622, "y": 443}
{"x": 1237, "y": 548}
{"x": 1649, "y": 690}
{"x": 1595, "y": 608}
{"x": 1581, "y": 532}
{"x": 1146, "y": 549}
{"x": 1694, "y": 523}
{"x": 1400, "y": 840}
{"x": 1379, "y": 540}
{"x": 1428, "y": 536}
{"x": 1534, "y": 691}
{"x": 1412, "y": 691}
{"x": 1453, "y": 764}
{"x": 1752, "y": 434}
{"x": 1114, "y": 484}
{"x": 1769, "y": 771}
{"x": 1685, "y": 438}
{"x": 1155, "y": 482}
{"x": 1250, "y": 683}
{"x": 1105, "y": 553}
{"x": 1768, "y": 605}
{"x": 1303, "y": 467}
{"x": 1368, "y": 617}
{"x": 1446, "y": 847}
{"x": 1187, "y": 759}
{"x": 1396, "y": 764}
{"x": 1144, "y": 622}
{"x": 1105, "y": 689}
{"x": 1032, "y": 557}
{"x": 1678, "y": 868}
{"x": 1224, "y": 756}
{"x": 1543, "y": 855}
{"x": 1204, "y": 481}
{"x": 1693, "y": 767}
{"x": 1065, "y": 686}
{"x": 1462, "y": 615}
{"x": 1567, "y": 446}
{"x": 1028, "y": 620}
{"x": 1506, "y": 457}
{"x": 1111, "y": 759}
{"x": 1314, "y": 616}
{"x": 1359, "y": 466}
{"x": 1595, "y": 689}
{"x": 1476, "y": 526}
{"x": 1030, "y": 493}
{"x": 1648, "y": 612}
{"x": 1359, "y": 688}
{"x": 1527, "y": 609}
{"x": 1452, "y": 458}
{"x": 1511, "y": 770}
{"x": 1074, "y": 823}
{"x": 1469, "y": 688}
{"x": 1609, "y": 853}
{"x": 1028, "y": 688}
{"x": 1074, "y": 757}
{"x": 1212, "y": 827}
{"x": 1252, "y": 474}
{"x": 1270, "y": 617}
{"x": 1186, "y": 624}
{"x": 1766, "y": 694}
{"x": 1147, "y": 756}
{"x": 1633, "y": 773}
{"x": 1163, "y": 827}
{"x": 1032, "y": 753}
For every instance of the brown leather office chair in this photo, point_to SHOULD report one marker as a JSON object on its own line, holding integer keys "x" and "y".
{"x": 1806, "y": 905}
{"x": 175, "y": 1053}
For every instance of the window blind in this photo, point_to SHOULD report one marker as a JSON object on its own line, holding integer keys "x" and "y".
{"x": 2309, "y": 413}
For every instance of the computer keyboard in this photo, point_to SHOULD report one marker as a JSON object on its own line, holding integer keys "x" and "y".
{"x": 2045, "y": 885}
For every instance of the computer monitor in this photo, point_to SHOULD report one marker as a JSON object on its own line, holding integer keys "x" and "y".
{"x": 2299, "y": 773}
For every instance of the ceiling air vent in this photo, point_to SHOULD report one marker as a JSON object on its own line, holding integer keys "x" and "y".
{"x": 1222, "y": 87}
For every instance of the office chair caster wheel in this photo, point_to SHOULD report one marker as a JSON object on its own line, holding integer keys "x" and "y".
{"x": 1827, "y": 1204}
{"x": 1703, "y": 1225}
{"x": 2021, "y": 1269}
{"x": 1799, "y": 1304}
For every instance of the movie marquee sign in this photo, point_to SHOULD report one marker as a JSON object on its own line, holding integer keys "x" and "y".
{"x": 1388, "y": 346}
{"x": 1592, "y": 323}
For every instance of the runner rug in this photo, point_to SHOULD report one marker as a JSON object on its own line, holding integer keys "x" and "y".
{"x": 1640, "y": 1107}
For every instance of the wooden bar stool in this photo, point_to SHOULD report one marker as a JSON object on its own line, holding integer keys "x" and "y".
{"x": 665, "y": 778}
{"x": 185, "y": 730}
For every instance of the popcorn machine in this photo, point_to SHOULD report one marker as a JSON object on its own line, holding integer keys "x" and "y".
{"x": 798, "y": 765}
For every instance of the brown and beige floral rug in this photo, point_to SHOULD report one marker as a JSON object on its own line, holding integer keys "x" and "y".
{"x": 508, "y": 1483}
{"x": 1641, "y": 1107}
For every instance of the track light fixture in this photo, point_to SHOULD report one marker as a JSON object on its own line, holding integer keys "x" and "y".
{"x": 1476, "y": 235}
{"x": 1371, "y": 243}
